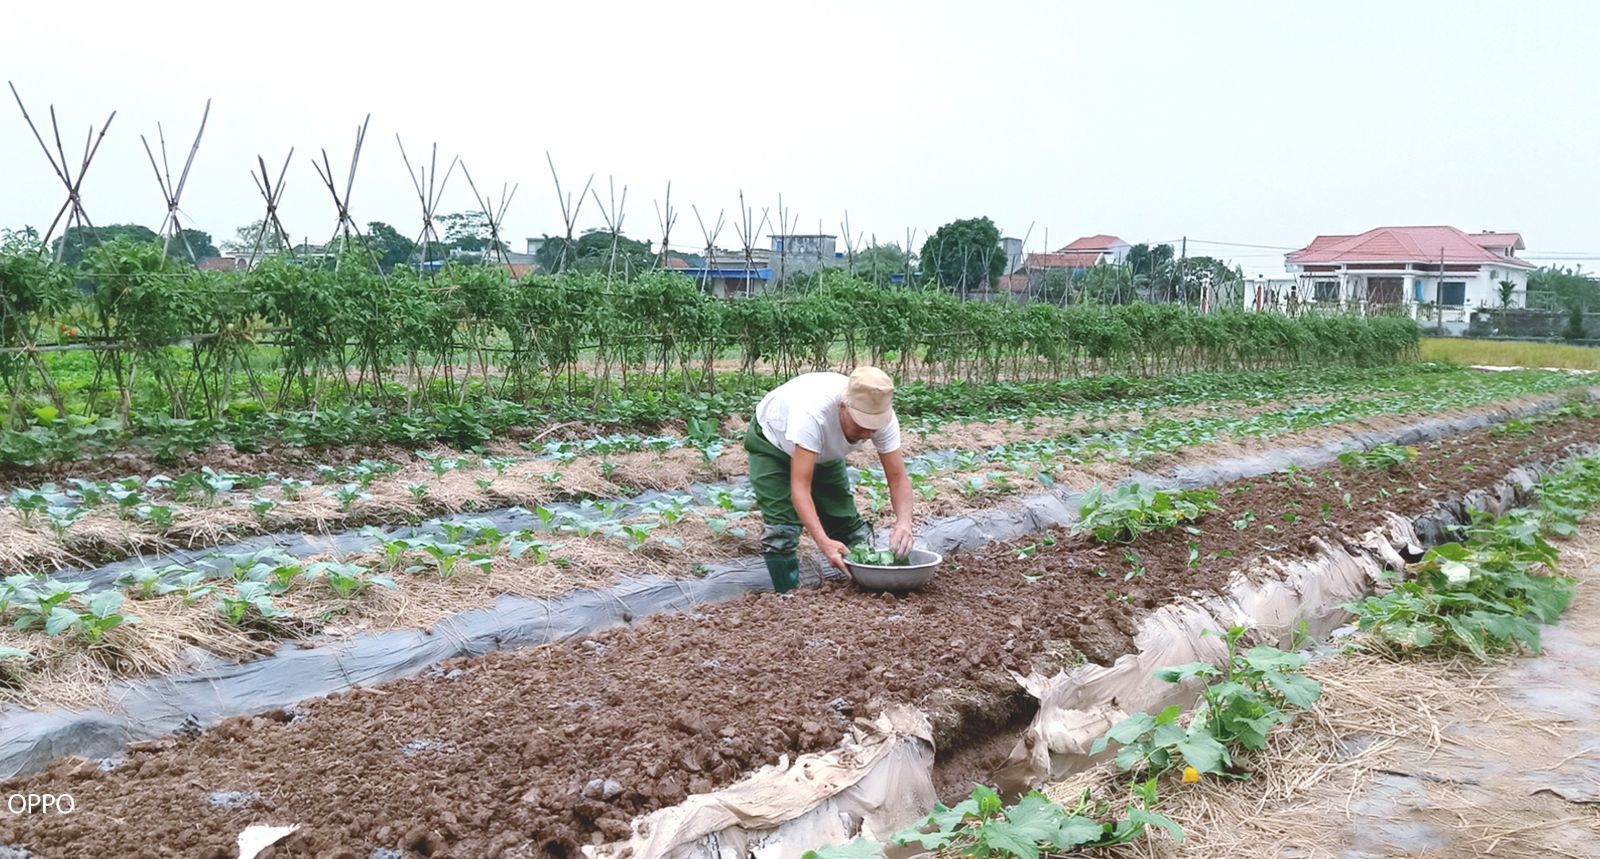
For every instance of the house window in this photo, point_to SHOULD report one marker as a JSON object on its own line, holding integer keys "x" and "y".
{"x": 1325, "y": 290}
{"x": 1453, "y": 293}
{"x": 1385, "y": 290}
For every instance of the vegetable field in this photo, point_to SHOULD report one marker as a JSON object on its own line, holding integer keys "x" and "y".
{"x": 496, "y": 538}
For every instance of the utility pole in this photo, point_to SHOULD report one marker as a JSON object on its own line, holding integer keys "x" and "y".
{"x": 1183, "y": 265}
{"x": 1438, "y": 296}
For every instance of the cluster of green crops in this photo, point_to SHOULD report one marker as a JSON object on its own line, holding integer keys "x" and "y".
{"x": 169, "y": 340}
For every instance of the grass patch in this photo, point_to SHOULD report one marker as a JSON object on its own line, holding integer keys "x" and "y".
{"x": 1510, "y": 353}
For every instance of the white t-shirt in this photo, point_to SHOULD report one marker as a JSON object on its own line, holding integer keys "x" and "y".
{"x": 804, "y": 411}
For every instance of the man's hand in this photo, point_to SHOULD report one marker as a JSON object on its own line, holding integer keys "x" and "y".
{"x": 834, "y": 551}
{"x": 900, "y": 539}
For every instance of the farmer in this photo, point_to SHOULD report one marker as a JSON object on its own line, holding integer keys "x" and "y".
{"x": 803, "y": 430}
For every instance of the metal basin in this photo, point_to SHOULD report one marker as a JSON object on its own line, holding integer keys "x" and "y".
{"x": 897, "y": 579}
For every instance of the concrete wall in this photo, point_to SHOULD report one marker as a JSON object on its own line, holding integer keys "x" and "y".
{"x": 1013, "y": 249}
{"x": 1529, "y": 323}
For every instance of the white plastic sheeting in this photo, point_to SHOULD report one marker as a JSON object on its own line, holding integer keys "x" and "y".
{"x": 878, "y": 781}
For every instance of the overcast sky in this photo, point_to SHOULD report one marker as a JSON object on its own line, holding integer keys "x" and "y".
{"x": 1257, "y": 123}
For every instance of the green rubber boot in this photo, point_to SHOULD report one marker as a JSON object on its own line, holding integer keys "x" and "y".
{"x": 784, "y": 570}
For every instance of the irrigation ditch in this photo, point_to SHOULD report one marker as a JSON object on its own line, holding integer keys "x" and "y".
{"x": 968, "y": 680}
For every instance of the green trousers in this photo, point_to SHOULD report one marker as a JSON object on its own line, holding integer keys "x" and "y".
{"x": 830, "y": 492}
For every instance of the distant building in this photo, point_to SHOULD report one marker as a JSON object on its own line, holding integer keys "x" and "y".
{"x": 728, "y": 274}
{"x": 1072, "y": 262}
{"x": 224, "y": 263}
{"x": 1437, "y": 274}
{"x": 1080, "y": 254}
{"x": 1107, "y": 249}
{"x": 803, "y": 254}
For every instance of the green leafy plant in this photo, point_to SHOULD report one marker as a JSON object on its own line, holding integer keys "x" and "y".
{"x": 102, "y": 613}
{"x": 36, "y": 606}
{"x": 447, "y": 556}
{"x": 1383, "y": 456}
{"x": 982, "y": 826}
{"x": 346, "y": 579}
{"x": 191, "y": 586}
{"x": 262, "y": 508}
{"x": 28, "y": 503}
{"x": 347, "y": 495}
{"x": 158, "y": 515}
{"x": 249, "y": 601}
{"x": 1130, "y": 510}
{"x": 17, "y": 588}
{"x": 1240, "y": 702}
{"x": 1490, "y": 591}
{"x": 863, "y": 554}
{"x": 293, "y": 488}
{"x": 538, "y": 550}
{"x": 147, "y": 582}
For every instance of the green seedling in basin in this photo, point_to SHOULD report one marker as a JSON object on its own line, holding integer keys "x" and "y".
{"x": 875, "y": 557}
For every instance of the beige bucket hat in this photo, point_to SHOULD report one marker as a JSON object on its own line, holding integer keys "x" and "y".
{"x": 869, "y": 397}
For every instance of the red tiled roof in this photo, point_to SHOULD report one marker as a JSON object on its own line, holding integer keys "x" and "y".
{"x": 1499, "y": 240}
{"x": 1082, "y": 259}
{"x": 1322, "y": 243}
{"x": 519, "y": 270}
{"x": 1401, "y": 244}
{"x": 1017, "y": 281}
{"x": 677, "y": 262}
{"x": 1100, "y": 242}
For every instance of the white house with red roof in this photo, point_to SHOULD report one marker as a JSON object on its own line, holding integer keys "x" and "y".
{"x": 1447, "y": 271}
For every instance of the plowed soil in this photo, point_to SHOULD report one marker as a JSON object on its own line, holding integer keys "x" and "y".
{"x": 539, "y": 751}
